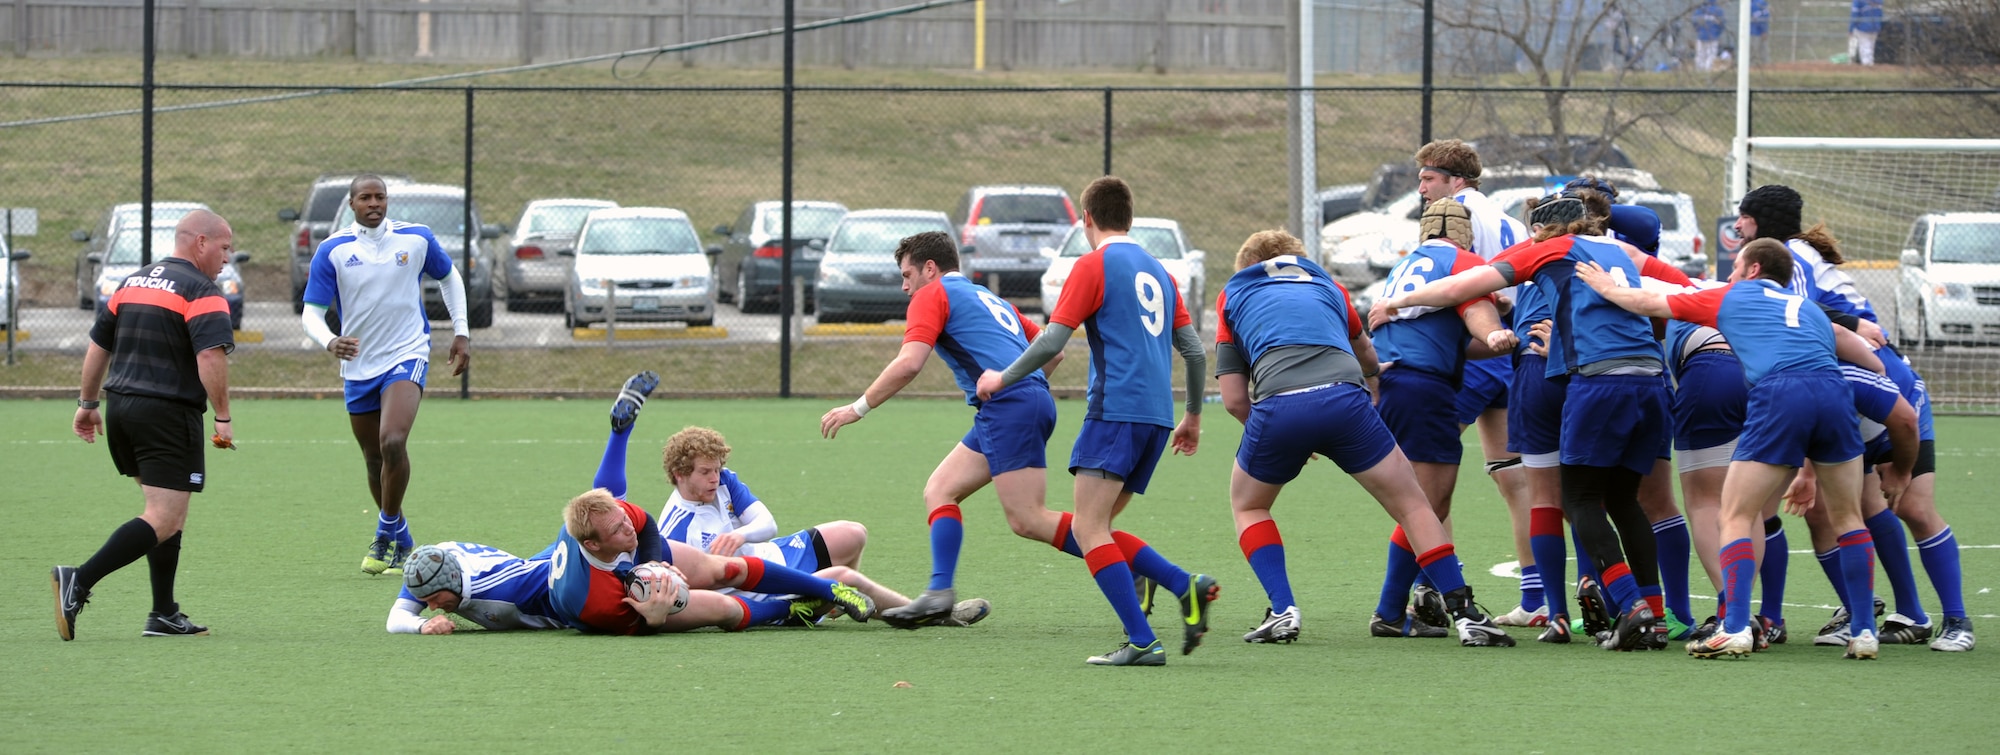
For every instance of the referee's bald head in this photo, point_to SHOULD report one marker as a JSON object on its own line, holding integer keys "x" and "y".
{"x": 205, "y": 239}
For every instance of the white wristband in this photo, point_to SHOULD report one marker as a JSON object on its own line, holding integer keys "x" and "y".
{"x": 860, "y": 406}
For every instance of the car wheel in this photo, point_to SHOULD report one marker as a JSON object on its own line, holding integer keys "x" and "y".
{"x": 744, "y": 301}
{"x": 481, "y": 315}
{"x": 708, "y": 323}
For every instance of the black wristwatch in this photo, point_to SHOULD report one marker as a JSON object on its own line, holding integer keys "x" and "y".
{"x": 86, "y": 403}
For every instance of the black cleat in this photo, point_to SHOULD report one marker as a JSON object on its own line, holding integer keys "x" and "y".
{"x": 1194, "y": 610}
{"x": 1771, "y": 632}
{"x": 1633, "y": 625}
{"x": 1707, "y": 627}
{"x": 1557, "y": 632}
{"x": 1410, "y": 626}
{"x": 1277, "y": 627}
{"x": 631, "y": 399}
{"x": 1593, "y": 607}
{"x": 932, "y": 607}
{"x": 69, "y": 600}
{"x": 1145, "y": 587}
{"x": 175, "y": 624}
{"x": 1475, "y": 629}
{"x": 1429, "y": 605}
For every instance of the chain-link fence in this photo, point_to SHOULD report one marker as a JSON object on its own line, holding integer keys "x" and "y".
{"x": 717, "y": 314}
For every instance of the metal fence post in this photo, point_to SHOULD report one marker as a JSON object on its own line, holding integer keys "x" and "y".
{"x": 1107, "y": 131}
{"x": 796, "y": 324}
{"x": 470, "y": 234}
{"x": 610, "y": 314}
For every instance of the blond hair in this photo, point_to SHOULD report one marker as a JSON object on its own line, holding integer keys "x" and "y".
{"x": 578, "y": 513}
{"x": 1264, "y": 245}
{"x": 688, "y": 445}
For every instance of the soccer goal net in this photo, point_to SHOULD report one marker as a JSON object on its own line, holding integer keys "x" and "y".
{"x": 1919, "y": 223}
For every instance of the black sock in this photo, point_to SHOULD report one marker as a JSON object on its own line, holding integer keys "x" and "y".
{"x": 164, "y": 560}
{"x": 127, "y": 543}
{"x": 1583, "y": 495}
{"x": 1635, "y": 531}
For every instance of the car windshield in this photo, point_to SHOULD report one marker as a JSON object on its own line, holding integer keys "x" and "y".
{"x": 1670, "y": 217}
{"x": 160, "y": 214}
{"x": 640, "y": 236}
{"x": 556, "y": 218}
{"x": 326, "y": 203}
{"x": 878, "y": 236}
{"x": 1024, "y": 208}
{"x": 807, "y": 222}
{"x": 1966, "y": 244}
{"x": 1159, "y": 242}
{"x": 445, "y": 216}
{"x": 125, "y": 250}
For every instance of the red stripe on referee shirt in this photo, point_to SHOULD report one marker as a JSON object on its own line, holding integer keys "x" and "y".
{"x": 163, "y": 299}
{"x": 206, "y": 305}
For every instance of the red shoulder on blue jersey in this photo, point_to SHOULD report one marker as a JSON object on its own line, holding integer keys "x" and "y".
{"x": 1222, "y": 334}
{"x": 1700, "y": 308}
{"x": 1463, "y": 262}
{"x": 930, "y": 309}
{"x": 1661, "y": 271}
{"x": 1354, "y": 327}
{"x": 1082, "y": 294}
{"x": 1527, "y": 259}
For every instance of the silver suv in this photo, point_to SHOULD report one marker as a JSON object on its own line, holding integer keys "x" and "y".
{"x": 1001, "y": 232}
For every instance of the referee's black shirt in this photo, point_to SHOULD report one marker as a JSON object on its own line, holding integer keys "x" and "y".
{"x": 158, "y": 320}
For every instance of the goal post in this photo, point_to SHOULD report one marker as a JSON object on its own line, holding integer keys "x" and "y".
{"x": 1918, "y": 221}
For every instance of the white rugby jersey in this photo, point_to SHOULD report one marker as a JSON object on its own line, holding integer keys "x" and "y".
{"x": 499, "y": 591}
{"x": 373, "y": 274}
{"x": 735, "y": 509}
{"x": 1493, "y": 230}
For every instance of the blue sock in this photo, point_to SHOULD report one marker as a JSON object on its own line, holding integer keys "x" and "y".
{"x": 1621, "y": 587}
{"x": 1265, "y": 551}
{"x": 1396, "y": 583}
{"x": 947, "y": 534}
{"x": 761, "y": 612}
{"x": 1545, "y": 526}
{"x": 1857, "y": 571}
{"x": 1892, "y": 549}
{"x": 1067, "y": 537}
{"x": 1771, "y": 571}
{"x": 611, "y": 468}
{"x": 1148, "y": 563}
{"x": 1442, "y": 566}
{"x": 1670, "y": 535}
{"x": 1114, "y": 579}
{"x": 1739, "y": 562}
{"x": 385, "y": 527}
{"x": 402, "y": 533}
{"x": 1829, "y": 562}
{"x": 1940, "y": 556}
{"x": 1531, "y": 588}
{"x": 775, "y": 578}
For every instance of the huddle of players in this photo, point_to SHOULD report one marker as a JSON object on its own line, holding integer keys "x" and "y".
{"x": 1590, "y": 403}
{"x": 1591, "y": 400}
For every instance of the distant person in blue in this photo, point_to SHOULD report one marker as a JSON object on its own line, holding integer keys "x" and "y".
{"x": 1864, "y": 23}
{"x": 1760, "y": 27}
{"x": 1708, "y": 29}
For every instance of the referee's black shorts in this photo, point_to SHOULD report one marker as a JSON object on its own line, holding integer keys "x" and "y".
{"x": 156, "y": 440}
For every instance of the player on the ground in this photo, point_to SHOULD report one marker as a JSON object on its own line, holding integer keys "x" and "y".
{"x": 1136, "y": 320}
{"x": 1293, "y": 363}
{"x": 603, "y": 537}
{"x": 1451, "y": 168}
{"x": 372, "y": 270}
{"x": 1423, "y": 356}
{"x": 1799, "y": 408}
{"x": 712, "y": 509}
{"x": 1615, "y": 412}
{"x": 972, "y": 330}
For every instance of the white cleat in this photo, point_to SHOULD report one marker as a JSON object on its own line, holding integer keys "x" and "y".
{"x": 1520, "y": 617}
{"x": 1863, "y": 647}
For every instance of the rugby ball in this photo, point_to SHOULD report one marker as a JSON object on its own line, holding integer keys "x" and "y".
{"x": 648, "y": 577}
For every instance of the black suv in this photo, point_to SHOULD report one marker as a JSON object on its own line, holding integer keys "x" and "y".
{"x": 1006, "y": 228}
{"x": 315, "y": 222}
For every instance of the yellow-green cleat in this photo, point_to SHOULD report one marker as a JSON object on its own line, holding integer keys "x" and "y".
{"x": 377, "y": 560}
{"x": 1194, "y": 610}
{"x": 857, "y": 605}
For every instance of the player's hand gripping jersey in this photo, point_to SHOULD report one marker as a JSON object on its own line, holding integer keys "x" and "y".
{"x": 1130, "y": 307}
{"x": 1589, "y": 329}
{"x": 972, "y": 330}
{"x": 1772, "y": 329}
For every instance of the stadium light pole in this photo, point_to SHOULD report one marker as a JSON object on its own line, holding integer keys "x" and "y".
{"x": 1739, "y": 148}
{"x": 1301, "y": 149}
{"x": 785, "y": 225}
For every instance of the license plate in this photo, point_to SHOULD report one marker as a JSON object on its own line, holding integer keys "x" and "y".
{"x": 1019, "y": 243}
{"x": 645, "y": 304}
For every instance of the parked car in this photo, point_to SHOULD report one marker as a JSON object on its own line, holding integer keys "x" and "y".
{"x": 1341, "y": 200}
{"x": 10, "y": 273}
{"x": 1006, "y": 228}
{"x": 1360, "y": 248}
{"x": 1950, "y": 287}
{"x": 654, "y": 259}
{"x": 1681, "y": 240}
{"x": 749, "y": 268}
{"x": 442, "y": 209}
{"x": 534, "y": 265}
{"x": 97, "y": 241}
{"x": 121, "y": 260}
{"x": 1161, "y": 238}
{"x": 313, "y": 221}
{"x": 858, "y": 277}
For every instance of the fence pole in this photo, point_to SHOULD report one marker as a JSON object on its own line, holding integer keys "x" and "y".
{"x": 1107, "y": 131}
{"x": 469, "y": 233}
{"x": 785, "y": 231}
{"x": 146, "y": 145}
{"x": 1430, "y": 27}
{"x": 610, "y": 314}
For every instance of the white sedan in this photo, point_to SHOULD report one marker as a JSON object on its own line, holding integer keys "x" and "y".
{"x": 1160, "y": 237}
{"x": 654, "y": 260}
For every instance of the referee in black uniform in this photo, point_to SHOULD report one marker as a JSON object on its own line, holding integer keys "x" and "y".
{"x": 165, "y": 339}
